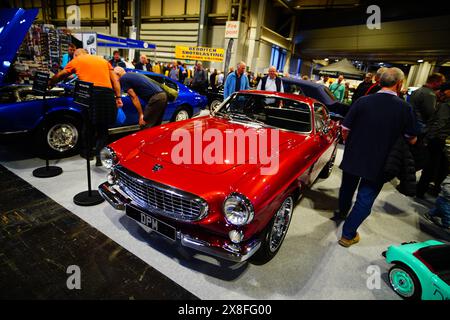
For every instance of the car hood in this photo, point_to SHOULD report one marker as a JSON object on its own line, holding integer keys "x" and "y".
{"x": 166, "y": 147}
{"x": 14, "y": 24}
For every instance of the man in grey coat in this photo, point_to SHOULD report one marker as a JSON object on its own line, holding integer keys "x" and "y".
{"x": 423, "y": 101}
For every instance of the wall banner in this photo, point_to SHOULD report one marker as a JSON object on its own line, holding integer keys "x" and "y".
{"x": 199, "y": 53}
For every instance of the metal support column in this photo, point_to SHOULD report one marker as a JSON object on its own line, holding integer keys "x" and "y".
{"x": 202, "y": 38}
{"x": 137, "y": 24}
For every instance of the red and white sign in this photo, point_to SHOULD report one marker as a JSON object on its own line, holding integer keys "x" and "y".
{"x": 232, "y": 29}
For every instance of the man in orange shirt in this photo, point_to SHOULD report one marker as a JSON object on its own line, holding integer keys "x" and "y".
{"x": 106, "y": 93}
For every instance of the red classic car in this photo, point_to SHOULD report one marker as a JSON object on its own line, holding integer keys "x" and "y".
{"x": 229, "y": 209}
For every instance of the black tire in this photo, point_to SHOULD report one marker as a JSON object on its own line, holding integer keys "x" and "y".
{"x": 409, "y": 277}
{"x": 58, "y": 137}
{"x": 328, "y": 169}
{"x": 185, "y": 110}
{"x": 213, "y": 105}
{"x": 267, "y": 250}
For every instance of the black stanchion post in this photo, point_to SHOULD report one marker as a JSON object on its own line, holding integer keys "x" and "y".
{"x": 83, "y": 97}
{"x": 40, "y": 84}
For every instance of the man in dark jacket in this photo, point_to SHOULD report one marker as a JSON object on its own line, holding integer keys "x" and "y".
{"x": 436, "y": 167}
{"x": 370, "y": 129}
{"x": 144, "y": 64}
{"x": 271, "y": 82}
{"x": 423, "y": 100}
{"x": 375, "y": 87}
{"x": 116, "y": 61}
{"x": 362, "y": 87}
{"x": 200, "y": 80}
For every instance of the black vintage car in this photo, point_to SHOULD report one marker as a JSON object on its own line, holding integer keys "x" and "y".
{"x": 215, "y": 97}
{"x": 297, "y": 86}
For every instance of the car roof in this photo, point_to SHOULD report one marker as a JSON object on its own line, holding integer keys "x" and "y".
{"x": 292, "y": 96}
{"x": 318, "y": 88}
{"x": 302, "y": 82}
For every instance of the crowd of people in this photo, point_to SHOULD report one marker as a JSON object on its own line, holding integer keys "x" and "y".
{"x": 379, "y": 128}
{"x": 385, "y": 137}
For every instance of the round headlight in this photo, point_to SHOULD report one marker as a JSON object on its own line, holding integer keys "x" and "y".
{"x": 108, "y": 157}
{"x": 238, "y": 209}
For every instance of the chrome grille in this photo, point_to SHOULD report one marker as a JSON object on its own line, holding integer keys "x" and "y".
{"x": 163, "y": 199}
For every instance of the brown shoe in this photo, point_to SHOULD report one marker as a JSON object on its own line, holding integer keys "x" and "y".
{"x": 348, "y": 242}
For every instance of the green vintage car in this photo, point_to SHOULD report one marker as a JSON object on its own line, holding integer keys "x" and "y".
{"x": 420, "y": 270}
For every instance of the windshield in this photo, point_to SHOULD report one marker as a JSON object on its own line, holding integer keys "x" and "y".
{"x": 330, "y": 94}
{"x": 268, "y": 111}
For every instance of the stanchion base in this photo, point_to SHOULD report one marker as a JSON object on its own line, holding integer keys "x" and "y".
{"x": 83, "y": 198}
{"x": 47, "y": 172}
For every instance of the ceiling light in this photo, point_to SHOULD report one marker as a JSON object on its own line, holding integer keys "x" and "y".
{"x": 420, "y": 60}
{"x": 326, "y": 59}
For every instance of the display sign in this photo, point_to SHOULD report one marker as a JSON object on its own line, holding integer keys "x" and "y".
{"x": 199, "y": 53}
{"x": 335, "y": 74}
{"x": 89, "y": 40}
{"x": 83, "y": 93}
{"x": 40, "y": 82}
{"x": 232, "y": 29}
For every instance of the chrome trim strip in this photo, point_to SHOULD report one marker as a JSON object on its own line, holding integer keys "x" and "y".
{"x": 14, "y": 132}
{"x": 224, "y": 253}
{"x": 115, "y": 199}
{"x": 124, "y": 129}
{"x": 187, "y": 196}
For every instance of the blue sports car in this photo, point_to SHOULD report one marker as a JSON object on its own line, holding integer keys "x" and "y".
{"x": 55, "y": 123}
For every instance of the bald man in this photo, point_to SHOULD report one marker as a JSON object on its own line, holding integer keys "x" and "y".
{"x": 271, "y": 82}
{"x": 106, "y": 94}
{"x": 236, "y": 80}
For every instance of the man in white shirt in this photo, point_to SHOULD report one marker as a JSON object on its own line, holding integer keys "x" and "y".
{"x": 271, "y": 82}
{"x": 220, "y": 78}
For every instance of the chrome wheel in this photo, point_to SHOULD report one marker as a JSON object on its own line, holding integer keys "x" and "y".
{"x": 62, "y": 137}
{"x": 402, "y": 282}
{"x": 182, "y": 115}
{"x": 281, "y": 224}
{"x": 213, "y": 106}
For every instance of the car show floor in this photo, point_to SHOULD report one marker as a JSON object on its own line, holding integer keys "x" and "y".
{"x": 309, "y": 265}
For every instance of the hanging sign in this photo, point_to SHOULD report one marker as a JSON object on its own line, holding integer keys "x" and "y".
{"x": 232, "y": 30}
{"x": 40, "y": 82}
{"x": 83, "y": 93}
{"x": 199, "y": 53}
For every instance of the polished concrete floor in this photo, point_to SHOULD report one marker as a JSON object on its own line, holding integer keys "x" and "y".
{"x": 44, "y": 246}
{"x": 310, "y": 264}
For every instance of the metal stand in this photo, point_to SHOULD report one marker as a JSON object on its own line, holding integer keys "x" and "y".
{"x": 47, "y": 171}
{"x": 89, "y": 197}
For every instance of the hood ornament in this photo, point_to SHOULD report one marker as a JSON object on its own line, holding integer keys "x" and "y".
{"x": 157, "y": 167}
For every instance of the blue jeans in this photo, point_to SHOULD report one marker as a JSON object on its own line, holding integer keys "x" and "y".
{"x": 367, "y": 193}
{"x": 442, "y": 210}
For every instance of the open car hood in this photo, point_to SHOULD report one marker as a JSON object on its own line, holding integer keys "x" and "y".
{"x": 14, "y": 24}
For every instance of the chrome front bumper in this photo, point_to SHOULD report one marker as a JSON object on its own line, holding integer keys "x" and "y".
{"x": 228, "y": 251}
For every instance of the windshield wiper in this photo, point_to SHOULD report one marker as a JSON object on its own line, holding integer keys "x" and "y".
{"x": 241, "y": 116}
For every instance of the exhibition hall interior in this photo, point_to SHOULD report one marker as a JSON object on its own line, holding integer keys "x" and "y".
{"x": 224, "y": 150}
